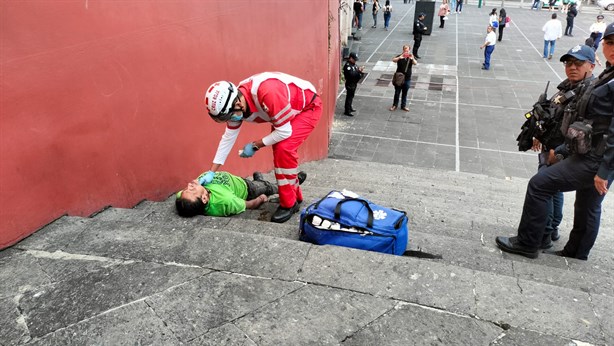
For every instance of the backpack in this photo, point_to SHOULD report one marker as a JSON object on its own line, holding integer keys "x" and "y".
{"x": 343, "y": 218}
{"x": 387, "y": 9}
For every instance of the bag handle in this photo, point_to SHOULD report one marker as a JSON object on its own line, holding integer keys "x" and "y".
{"x": 365, "y": 203}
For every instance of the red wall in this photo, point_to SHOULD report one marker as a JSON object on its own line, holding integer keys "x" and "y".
{"x": 101, "y": 101}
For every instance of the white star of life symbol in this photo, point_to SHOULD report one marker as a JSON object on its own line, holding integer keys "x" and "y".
{"x": 379, "y": 214}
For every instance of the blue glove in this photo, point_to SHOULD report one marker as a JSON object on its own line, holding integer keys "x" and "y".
{"x": 248, "y": 150}
{"x": 206, "y": 178}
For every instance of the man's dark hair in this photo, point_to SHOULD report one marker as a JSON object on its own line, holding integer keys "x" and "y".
{"x": 188, "y": 208}
{"x": 554, "y": 16}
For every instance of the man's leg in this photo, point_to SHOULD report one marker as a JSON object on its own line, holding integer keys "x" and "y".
{"x": 349, "y": 98}
{"x": 557, "y": 214}
{"x": 404, "y": 91}
{"x": 584, "y": 233}
{"x": 256, "y": 188}
{"x": 285, "y": 158}
{"x": 416, "y": 46}
{"x": 552, "y": 45}
{"x": 546, "y": 48}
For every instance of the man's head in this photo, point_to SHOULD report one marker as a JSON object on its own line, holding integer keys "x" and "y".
{"x": 225, "y": 102}
{"x": 553, "y": 16}
{"x": 608, "y": 43}
{"x": 192, "y": 200}
{"x": 579, "y": 62}
{"x": 421, "y": 15}
{"x": 489, "y": 28}
{"x": 353, "y": 57}
{"x": 600, "y": 18}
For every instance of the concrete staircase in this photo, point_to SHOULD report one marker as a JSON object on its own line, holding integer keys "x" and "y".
{"x": 145, "y": 275}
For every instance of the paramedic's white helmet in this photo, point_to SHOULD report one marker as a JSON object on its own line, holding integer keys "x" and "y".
{"x": 220, "y": 99}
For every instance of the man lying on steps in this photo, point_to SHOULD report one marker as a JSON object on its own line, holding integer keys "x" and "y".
{"x": 226, "y": 195}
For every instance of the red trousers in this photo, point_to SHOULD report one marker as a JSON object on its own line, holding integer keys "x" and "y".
{"x": 285, "y": 154}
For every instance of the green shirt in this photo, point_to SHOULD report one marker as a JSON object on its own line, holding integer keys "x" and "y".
{"x": 227, "y": 195}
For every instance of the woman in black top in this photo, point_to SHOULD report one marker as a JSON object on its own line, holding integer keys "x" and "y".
{"x": 502, "y": 21}
{"x": 404, "y": 61}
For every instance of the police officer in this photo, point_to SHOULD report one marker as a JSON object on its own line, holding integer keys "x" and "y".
{"x": 589, "y": 173}
{"x": 579, "y": 64}
{"x": 419, "y": 30}
{"x": 352, "y": 74}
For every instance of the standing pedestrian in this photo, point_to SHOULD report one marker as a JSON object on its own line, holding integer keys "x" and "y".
{"x": 553, "y": 30}
{"x": 488, "y": 46}
{"x": 358, "y": 14}
{"x": 459, "y": 6}
{"x": 290, "y": 105}
{"x": 444, "y": 10}
{"x": 352, "y": 75}
{"x": 404, "y": 62}
{"x": 597, "y": 30}
{"x": 419, "y": 30}
{"x": 493, "y": 18}
{"x": 572, "y": 12}
{"x": 374, "y": 12}
{"x": 535, "y": 5}
{"x": 502, "y": 23}
{"x": 387, "y": 14}
{"x": 551, "y": 4}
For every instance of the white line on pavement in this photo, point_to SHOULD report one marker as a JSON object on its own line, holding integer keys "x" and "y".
{"x": 457, "y": 151}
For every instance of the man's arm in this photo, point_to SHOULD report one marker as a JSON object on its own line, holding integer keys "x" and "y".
{"x": 256, "y": 202}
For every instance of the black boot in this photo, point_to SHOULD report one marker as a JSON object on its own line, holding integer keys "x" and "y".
{"x": 258, "y": 176}
{"x": 512, "y": 245}
{"x": 302, "y": 176}
{"x": 282, "y": 215}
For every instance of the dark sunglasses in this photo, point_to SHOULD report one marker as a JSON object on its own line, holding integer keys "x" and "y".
{"x": 578, "y": 63}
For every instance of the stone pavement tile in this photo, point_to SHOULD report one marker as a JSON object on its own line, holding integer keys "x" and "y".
{"x": 56, "y": 235}
{"x": 13, "y": 328}
{"x": 88, "y": 293}
{"x": 227, "y": 335}
{"x": 20, "y": 272}
{"x": 536, "y": 306}
{"x": 404, "y": 278}
{"x": 415, "y": 325}
{"x": 603, "y": 306}
{"x": 313, "y": 315}
{"x": 214, "y": 249}
{"x": 132, "y": 324}
{"x": 192, "y": 309}
{"x": 518, "y": 336}
{"x": 557, "y": 272}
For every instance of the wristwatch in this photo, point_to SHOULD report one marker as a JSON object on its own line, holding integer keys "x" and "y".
{"x": 254, "y": 146}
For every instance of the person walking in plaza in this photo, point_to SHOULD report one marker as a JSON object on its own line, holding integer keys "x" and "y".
{"x": 374, "y": 12}
{"x": 502, "y": 22}
{"x": 405, "y": 62}
{"x": 352, "y": 75}
{"x": 597, "y": 30}
{"x": 551, "y": 4}
{"x": 419, "y": 30}
{"x": 444, "y": 10}
{"x": 572, "y": 12}
{"x": 589, "y": 170}
{"x": 535, "y": 5}
{"x": 290, "y": 105}
{"x": 387, "y": 14}
{"x": 459, "y": 6}
{"x": 553, "y": 30}
{"x": 488, "y": 46}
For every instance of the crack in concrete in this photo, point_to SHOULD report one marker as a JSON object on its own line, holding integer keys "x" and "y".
{"x": 21, "y": 320}
{"x": 300, "y": 268}
{"x": 250, "y": 312}
{"x": 395, "y": 307}
{"x": 602, "y": 328}
{"x": 162, "y": 320}
{"x": 517, "y": 277}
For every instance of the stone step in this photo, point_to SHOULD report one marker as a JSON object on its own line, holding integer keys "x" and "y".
{"x": 482, "y": 284}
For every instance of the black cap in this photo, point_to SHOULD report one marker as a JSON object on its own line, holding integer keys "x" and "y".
{"x": 353, "y": 56}
{"x": 421, "y": 14}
